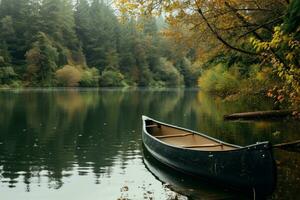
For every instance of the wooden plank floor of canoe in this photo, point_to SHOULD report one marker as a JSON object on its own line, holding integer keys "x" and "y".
{"x": 196, "y": 142}
{"x": 185, "y": 139}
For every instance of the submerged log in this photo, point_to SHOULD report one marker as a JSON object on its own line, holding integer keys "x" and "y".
{"x": 260, "y": 114}
{"x": 295, "y": 143}
{"x": 293, "y": 146}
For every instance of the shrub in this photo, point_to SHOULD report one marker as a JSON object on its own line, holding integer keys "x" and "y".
{"x": 112, "y": 78}
{"x": 220, "y": 81}
{"x": 284, "y": 58}
{"x": 169, "y": 74}
{"x": 16, "y": 84}
{"x": 41, "y": 60}
{"x": 7, "y": 74}
{"x": 90, "y": 78}
{"x": 68, "y": 76}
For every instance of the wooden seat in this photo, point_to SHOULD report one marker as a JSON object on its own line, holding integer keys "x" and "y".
{"x": 152, "y": 125}
{"x": 201, "y": 145}
{"x": 169, "y": 136}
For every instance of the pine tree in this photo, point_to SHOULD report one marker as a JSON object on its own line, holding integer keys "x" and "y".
{"x": 102, "y": 35}
{"x": 41, "y": 60}
{"x": 15, "y": 14}
{"x": 57, "y": 21}
{"x": 82, "y": 21}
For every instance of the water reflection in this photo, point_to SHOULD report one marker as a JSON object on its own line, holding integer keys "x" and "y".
{"x": 50, "y": 137}
{"x": 194, "y": 188}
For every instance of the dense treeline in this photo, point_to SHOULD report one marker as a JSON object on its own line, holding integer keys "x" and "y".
{"x": 59, "y": 43}
{"x": 243, "y": 47}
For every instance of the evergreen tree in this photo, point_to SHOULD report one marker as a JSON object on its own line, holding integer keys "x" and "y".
{"x": 39, "y": 37}
{"x": 58, "y": 22}
{"x": 102, "y": 35}
{"x": 41, "y": 60}
{"x": 82, "y": 21}
{"x": 126, "y": 45}
{"x": 14, "y": 18}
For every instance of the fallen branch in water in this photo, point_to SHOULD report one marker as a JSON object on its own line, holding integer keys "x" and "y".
{"x": 293, "y": 146}
{"x": 295, "y": 143}
{"x": 260, "y": 114}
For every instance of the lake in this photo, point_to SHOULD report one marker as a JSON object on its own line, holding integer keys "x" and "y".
{"x": 86, "y": 144}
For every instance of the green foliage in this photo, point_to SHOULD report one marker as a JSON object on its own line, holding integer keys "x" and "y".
{"x": 97, "y": 28}
{"x": 74, "y": 76}
{"x": 169, "y": 74}
{"x": 4, "y": 55}
{"x": 39, "y": 37}
{"x": 7, "y": 75}
{"x": 292, "y": 19}
{"x": 90, "y": 78}
{"x": 41, "y": 60}
{"x": 7, "y": 29}
{"x": 60, "y": 21}
{"x": 225, "y": 80}
{"x": 285, "y": 59}
{"x": 218, "y": 80}
{"x": 7, "y": 34}
{"x": 190, "y": 72}
{"x": 110, "y": 78}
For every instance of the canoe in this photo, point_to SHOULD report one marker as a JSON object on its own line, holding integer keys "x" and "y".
{"x": 189, "y": 186}
{"x": 250, "y": 167}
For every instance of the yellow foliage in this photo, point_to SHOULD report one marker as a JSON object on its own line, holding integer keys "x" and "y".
{"x": 69, "y": 76}
{"x": 285, "y": 56}
{"x": 229, "y": 18}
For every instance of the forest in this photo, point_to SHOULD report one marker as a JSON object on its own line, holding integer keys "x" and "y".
{"x": 54, "y": 43}
{"x": 242, "y": 47}
{"x": 225, "y": 47}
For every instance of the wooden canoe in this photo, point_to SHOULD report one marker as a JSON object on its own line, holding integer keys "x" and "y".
{"x": 189, "y": 186}
{"x": 251, "y": 167}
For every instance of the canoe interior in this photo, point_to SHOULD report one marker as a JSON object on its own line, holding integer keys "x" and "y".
{"x": 184, "y": 139}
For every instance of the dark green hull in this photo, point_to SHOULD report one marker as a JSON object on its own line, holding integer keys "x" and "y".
{"x": 250, "y": 167}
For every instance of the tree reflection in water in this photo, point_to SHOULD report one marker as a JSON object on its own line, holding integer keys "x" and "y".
{"x": 50, "y": 136}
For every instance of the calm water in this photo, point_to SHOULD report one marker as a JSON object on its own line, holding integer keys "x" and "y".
{"x": 71, "y": 144}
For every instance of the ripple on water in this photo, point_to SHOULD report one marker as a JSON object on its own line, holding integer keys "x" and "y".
{"x": 89, "y": 143}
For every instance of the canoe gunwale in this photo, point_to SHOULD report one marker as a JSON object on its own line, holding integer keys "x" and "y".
{"x": 238, "y": 148}
{"x": 248, "y": 167}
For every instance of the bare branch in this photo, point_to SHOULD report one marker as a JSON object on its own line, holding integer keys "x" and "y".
{"x": 236, "y": 27}
{"x": 218, "y": 36}
{"x": 276, "y": 20}
{"x": 244, "y": 21}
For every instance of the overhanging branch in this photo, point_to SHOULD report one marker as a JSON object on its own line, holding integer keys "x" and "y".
{"x": 218, "y": 36}
{"x": 276, "y": 20}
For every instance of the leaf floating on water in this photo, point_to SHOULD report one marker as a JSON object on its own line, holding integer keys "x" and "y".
{"x": 276, "y": 133}
{"x": 125, "y": 188}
